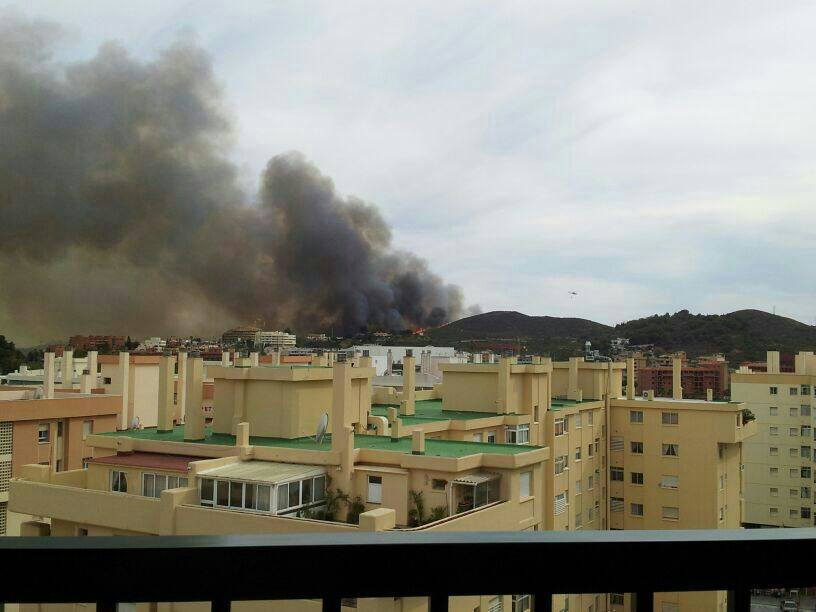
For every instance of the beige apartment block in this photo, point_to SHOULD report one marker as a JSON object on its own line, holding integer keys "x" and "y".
{"x": 508, "y": 446}
{"x": 778, "y": 475}
{"x": 136, "y": 379}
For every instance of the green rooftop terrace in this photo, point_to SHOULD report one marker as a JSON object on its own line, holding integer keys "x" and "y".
{"x": 431, "y": 410}
{"x": 433, "y": 448}
{"x": 560, "y": 403}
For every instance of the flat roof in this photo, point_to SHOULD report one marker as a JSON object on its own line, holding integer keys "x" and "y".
{"x": 158, "y": 461}
{"x": 431, "y": 410}
{"x": 558, "y": 403}
{"x": 264, "y": 471}
{"x": 434, "y": 448}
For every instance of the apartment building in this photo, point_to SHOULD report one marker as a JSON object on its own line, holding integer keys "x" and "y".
{"x": 49, "y": 428}
{"x": 696, "y": 378}
{"x": 778, "y": 476}
{"x": 261, "y": 468}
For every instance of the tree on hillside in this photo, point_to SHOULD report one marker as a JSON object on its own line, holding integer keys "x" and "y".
{"x": 10, "y": 357}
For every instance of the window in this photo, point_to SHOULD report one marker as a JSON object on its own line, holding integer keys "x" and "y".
{"x": 774, "y": 451}
{"x": 87, "y": 429}
{"x": 793, "y": 472}
{"x": 118, "y": 481}
{"x": 636, "y": 509}
{"x": 793, "y": 411}
{"x": 636, "y": 416}
{"x": 590, "y": 514}
{"x": 577, "y": 487}
{"x": 670, "y": 418}
{"x": 43, "y": 433}
{"x": 491, "y": 437}
{"x": 671, "y": 513}
{"x": 535, "y": 414}
{"x": 106, "y": 380}
{"x": 616, "y": 474}
{"x": 773, "y": 511}
{"x": 525, "y": 484}
{"x": 616, "y": 443}
{"x": 773, "y": 410}
{"x": 558, "y": 426}
{"x": 794, "y": 514}
{"x": 804, "y": 451}
{"x": 375, "y": 489}
{"x": 577, "y": 420}
{"x": 669, "y": 481}
{"x": 805, "y": 513}
{"x": 794, "y": 452}
{"x": 154, "y": 484}
{"x": 805, "y": 389}
{"x": 616, "y": 599}
{"x": 579, "y": 521}
{"x": 793, "y": 431}
{"x": 560, "y": 503}
{"x": 774, "y": 492}
{"x": 438, "y": 484}
{"x": 794, "y": 391}
{"x": 590, "y": 450}
{"x": 590, "y": 417}
{"x": 805, "y": 431}
{"x": 520, "y": 603}
{"x": 804, "y": 493}
{"x": 590, "y": 483}
{"x": 670, "y": 450}
{"x": 773, "y": 390}
{"x": 636, "y": 478}
{"x": 805, "y": 473}
{"x": 616, "y": 504}
{"x": 636, "y": 448}
{"x": 774, "y": 431}
{"x": 577, "y": 453}
{"x": 519, "y": 434}
{"x": 207, "y": 491}
{"x": 477, "y": 437}
{"x": 560, "y": 464}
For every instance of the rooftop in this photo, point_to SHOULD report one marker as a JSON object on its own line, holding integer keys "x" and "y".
{"x": 433, "y": 448}
{"x": 431, "y": 410}
{"x": 558, "y": 403}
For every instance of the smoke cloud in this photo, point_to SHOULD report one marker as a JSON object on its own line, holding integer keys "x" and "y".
{"x": 121, "y": 211}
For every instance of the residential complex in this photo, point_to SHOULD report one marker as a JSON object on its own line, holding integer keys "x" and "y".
{"x": 778, "y": 476}
{"x": 258, "y": 338}
{"x": 504, "y": 446}
{"x": 696, "y": 378}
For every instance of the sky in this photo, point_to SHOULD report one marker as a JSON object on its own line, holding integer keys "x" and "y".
{"x": 651, "y": 157}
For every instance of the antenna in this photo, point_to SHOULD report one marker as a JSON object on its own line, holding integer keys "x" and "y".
{"x": 321, "y": 427}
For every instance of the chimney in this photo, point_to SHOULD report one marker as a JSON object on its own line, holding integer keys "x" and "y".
{"x": 276, "y": 357}
{"x": 407, "y": 405}
{"x": 225, "y": 359}
{"x": 125, "y": 418}
{"x": 242, "y": 434}
{"x": 253, "y": 358}
{"x": 396, "y": 430}
{"x": 650, "y": 395}
{"x": 418, "y": 442}
{"x": 677, "y": 385}
{"x": 48, "y": 375}
{"x": 181, "y": 387}
{"x": 503, "y": 386}
{"x": 68, "y": 369}
{"x": 710, "y": 395}
{"x": 392, "y": 414}
{"x": 194, "y": 418}
{"x": 389, "y": 364}
{"x": 93, "y": 367}
{"x": 773, "y": 362}
{"x": 572, "y": 389}
{"x": 167, "y": 409}
{"x": 630, "y": 378}
{"x": 86, "y": 382}
{"x": 342, "y": 437}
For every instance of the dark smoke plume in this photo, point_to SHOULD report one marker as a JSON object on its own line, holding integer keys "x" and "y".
{"x": 120, "y": 210}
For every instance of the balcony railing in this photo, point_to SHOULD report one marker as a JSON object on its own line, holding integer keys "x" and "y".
{"x": 437, "y": 565}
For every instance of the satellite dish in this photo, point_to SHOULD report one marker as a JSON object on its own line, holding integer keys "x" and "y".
{"x": 321, "y": 427}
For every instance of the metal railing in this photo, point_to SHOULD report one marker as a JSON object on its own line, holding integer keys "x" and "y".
{"x": 222, "y": 569}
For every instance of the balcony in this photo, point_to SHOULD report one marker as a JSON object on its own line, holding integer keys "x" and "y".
{"x": 642, "y": 562}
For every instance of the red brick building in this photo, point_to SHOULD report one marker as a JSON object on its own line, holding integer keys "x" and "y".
{"x": 696, "y": 379}
{"x": 94, "y": 343}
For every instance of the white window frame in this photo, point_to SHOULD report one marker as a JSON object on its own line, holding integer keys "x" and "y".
{"x": 374, "y": 492}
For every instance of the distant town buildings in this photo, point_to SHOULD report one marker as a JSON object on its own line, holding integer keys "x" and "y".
{"x": 96, "y": 343}
{"x": 258, "y": 338}
{"x": 696, "y": 378}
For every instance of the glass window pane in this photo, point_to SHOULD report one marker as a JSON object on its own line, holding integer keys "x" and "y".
{"x": 148, "y": 482}
{"x": 249, "y": 496}
{"x": 207, "y": 489}
{"x": 236, "y": 494}
{"x": 122, "y": 482}
{"x": 283, "y": 496}
{"x": 161, "y": 484}
{"x": 263, "y": 497}
{"x": 294, "y": 493}
{"x": 172, "y": 482}
{"x": 320, "y": 488}
{"x": 307, "y": 491}
{"x": 222, "y": 490}
{"x": 182, "y": 482}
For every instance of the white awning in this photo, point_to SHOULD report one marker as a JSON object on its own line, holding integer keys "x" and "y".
{"x": 264, "y": 471}
{"x": 477, "y": 478}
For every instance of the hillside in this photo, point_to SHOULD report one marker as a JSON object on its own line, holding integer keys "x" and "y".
{"x": 741, "y": 335}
